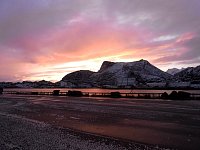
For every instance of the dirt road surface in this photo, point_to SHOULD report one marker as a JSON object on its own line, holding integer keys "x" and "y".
{"x": 50, "y": 122}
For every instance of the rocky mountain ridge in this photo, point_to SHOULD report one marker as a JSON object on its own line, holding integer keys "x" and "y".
{"x": 174, "y": 71}
{"x": 190, "y": 74}
{"x": 138, "y": 74}
{"x": 118, "y": 74}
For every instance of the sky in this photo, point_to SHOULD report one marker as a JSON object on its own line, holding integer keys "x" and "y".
{"x": 46, "y": 39}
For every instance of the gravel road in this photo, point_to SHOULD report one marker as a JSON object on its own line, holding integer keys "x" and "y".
{"x": 18, "y": 133}
{"x": 50, "y": 122}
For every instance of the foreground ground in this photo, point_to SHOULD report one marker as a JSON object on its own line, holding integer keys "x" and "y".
{"x": 45, "y": 122}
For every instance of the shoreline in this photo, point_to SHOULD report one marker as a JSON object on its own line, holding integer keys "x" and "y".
{"x": 146, "y": 94}
{"x": 103, "y": 88}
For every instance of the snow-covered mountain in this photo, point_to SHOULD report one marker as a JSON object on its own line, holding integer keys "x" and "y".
{"x": 173, "y": 71}
{"x": 190, "y": 74}
{"x": 118, "y": 74}
{"x": 129, "y": 74}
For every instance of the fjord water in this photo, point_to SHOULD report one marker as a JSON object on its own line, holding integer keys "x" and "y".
{"x": 96, "y": 90}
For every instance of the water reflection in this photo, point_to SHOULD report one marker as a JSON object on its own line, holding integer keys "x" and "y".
{"x": 97, "y": 90}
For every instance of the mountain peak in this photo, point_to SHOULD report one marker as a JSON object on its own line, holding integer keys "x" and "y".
{"x": 174, "y": 71}
{"x": 143, "y": 60}
{"x": 81, "y": 74}
{"x": 105, "y": 65}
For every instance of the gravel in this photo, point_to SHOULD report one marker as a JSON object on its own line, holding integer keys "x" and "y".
{"x": 18, "y": 133}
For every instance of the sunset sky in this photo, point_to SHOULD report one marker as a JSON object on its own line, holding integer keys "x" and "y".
{"x": 46, "y": 39}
